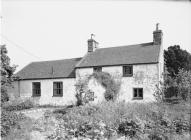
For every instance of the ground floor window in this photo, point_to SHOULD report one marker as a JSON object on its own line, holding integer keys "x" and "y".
{"x": 57, "y": 89}
{"x": 36, "y": 89}
{"x": 138, "y": 93}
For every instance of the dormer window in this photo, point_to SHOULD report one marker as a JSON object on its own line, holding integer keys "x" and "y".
{"x": 97, "y": 69}
{"x": 128, "y": 71}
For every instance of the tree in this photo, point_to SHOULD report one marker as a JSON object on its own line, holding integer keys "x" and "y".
{"x": 175, "y": 59}
{"x": 6, "y": 73}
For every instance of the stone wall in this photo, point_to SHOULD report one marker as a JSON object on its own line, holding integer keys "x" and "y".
{"x": 145, "y": 76}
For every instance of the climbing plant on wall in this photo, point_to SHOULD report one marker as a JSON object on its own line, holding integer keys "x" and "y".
{"x": 110, "y": 83}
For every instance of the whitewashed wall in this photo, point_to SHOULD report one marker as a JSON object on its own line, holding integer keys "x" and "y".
{"x": 13, "y": 91}
{"x": 46, "y": 97}
{"x": 145, "y": 76}
{"x": 161, "y": 64}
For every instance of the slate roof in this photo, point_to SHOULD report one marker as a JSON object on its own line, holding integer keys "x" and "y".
{"x": 145, "y": 53}
{"x": 132, "y": 54}
{"x": 49, "y": 69}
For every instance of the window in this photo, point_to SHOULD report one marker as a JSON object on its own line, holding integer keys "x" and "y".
{"x": 138, "y": 93}
{"x": 127, "y": 70}
{"x": 97, "y": 69}
{"x": 58, "y": 89}
{"x": 36, "y": 91}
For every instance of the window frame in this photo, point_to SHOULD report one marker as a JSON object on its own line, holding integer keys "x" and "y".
{"x": 138, "y": 91}
{"x": 35, "y": 90}
{"x": 97, "y": 69}
{"x": 125, "y": 74}
{"x": 58, "y": 89}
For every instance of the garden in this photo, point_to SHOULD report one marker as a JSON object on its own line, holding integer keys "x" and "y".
{"x": 108, "y": 120}
{"x": 166, "y": 119}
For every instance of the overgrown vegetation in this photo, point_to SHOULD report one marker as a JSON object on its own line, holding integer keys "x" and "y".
{"x": 6, "y": 73}
{"x": 174, "y": 90}
{"x": 9, "y": 120}
{"x": 176, "y": 59}
{"x": 108, "y": 120}
{"x": 114, "y": 120}
{"x": 18, "y": 104}
{"x": 110, "y": 83}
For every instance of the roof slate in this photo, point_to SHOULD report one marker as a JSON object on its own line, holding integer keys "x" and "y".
{"x": 131, "y": 54}
{"x": 49, "y": 69}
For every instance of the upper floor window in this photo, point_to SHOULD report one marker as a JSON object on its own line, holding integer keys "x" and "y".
{"x": 138, "y": 93}
{"x": 97, "y": 69}
{"x": 57, "y": 89}
{"x": 127, "y": 70}
{"x": 36, "y": 89}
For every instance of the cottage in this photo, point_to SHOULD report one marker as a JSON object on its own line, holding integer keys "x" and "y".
{"x": 140, "y": 67}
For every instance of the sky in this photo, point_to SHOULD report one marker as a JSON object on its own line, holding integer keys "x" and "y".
{"x": 53, "y": 29}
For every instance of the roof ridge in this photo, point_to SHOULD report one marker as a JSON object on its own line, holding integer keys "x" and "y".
{"x": 151, "y": 43}
{"x": 56, "y": 60}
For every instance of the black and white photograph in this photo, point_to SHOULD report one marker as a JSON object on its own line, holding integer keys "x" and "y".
{"x": 95, "y": 69}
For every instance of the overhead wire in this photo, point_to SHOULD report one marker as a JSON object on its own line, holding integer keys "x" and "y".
{"x": 20, "y": 47}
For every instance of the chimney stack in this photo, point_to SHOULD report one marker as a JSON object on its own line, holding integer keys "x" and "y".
{"x": 157, "y": 36}
{"x": 92, "y": 44}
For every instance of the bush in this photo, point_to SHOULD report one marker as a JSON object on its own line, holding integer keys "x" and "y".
{"x": 18, "y": 105}
{"x": 133, "y": 120}
{"x": 102, "y": 120}
{"x": 175, "y": 90}
{"x": 4, "y": 96}
{"x": 129, "y": 129}
{"x": 111, "y": 84}
{"x": 9, "y": 120}
{"x": 183, "y": 81}
{"x": 78, "y": 122}
{"x": 81, "y": 89}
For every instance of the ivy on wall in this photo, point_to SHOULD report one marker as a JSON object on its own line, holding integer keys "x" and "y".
{"x": 111, "y": 85}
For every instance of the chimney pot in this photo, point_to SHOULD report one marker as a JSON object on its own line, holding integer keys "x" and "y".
{"x": 92, "y": 44}
{"x": 157, "y": 35}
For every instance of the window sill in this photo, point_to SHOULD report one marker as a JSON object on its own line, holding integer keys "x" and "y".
{"x": 129, "y": 75}
{"x": 57, "y": 96}
{"x": 137, "y": 98}
{"x": 35, "y": 96}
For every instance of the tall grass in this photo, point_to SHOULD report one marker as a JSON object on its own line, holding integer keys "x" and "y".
{"x": 151, "y": 119}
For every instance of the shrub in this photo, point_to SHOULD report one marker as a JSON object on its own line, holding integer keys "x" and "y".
{"x": 183, "y": 81}
{"x": 79, "y": 122}
{"x": 81, "y": 89}
{"x": 18, "y": 105}
{"x": 63, "y": 110}
{"x": 9, "y": 120}
{"x": 129, "y": 129}
{"x": 175, "y": 90}
{"x": 133, "y": 120}
{"x": 111, "y": 85}
{"x": 102, "y": 120}
{"x": 4, "y": 96}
